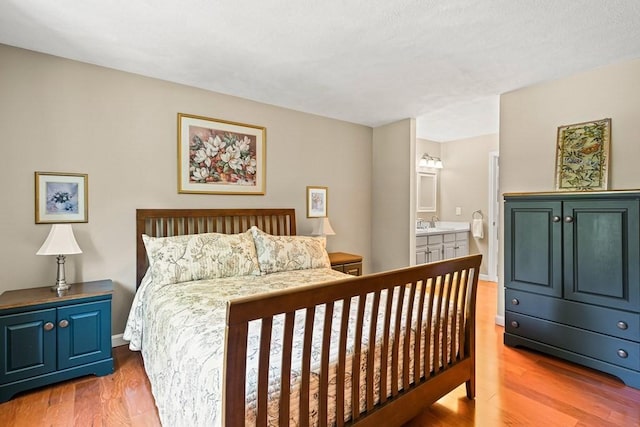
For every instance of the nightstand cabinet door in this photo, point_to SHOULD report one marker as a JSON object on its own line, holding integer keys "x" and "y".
{"x": 28, "y": 345}
{"x": 84, "y": 333}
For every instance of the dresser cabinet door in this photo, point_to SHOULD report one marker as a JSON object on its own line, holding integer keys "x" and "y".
{"x": 434, "y": 252}
{"x": 601, "y": 253}
{"x": 28, "y": 345}
{"x": 83, "y": 333}
{"x": 533, "y": 246}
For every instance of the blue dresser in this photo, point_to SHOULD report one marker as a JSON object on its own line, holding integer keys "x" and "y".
{"x": 572, "y": 278}
{"x": 48, "y": 338}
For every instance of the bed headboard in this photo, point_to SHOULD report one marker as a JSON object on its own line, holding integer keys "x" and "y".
{"x": 177, "y": 222}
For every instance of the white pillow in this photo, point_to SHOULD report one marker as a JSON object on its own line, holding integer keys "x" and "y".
{"x": 284, "y": 253}
{"x": 179, "y": 259}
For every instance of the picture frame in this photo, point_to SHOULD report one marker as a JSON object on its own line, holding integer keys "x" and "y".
{"x": 582, "y": 156}
{"x": 317, "y": 202}
{"x": 220, "y": 157}
{"x": 61, "y": 197}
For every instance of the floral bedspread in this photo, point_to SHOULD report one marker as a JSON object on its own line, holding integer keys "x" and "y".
{"x": 180, "y": 329}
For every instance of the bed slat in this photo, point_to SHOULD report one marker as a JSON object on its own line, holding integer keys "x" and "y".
{"x": 384, "y": 355}
{"x": 285, "y": 377}
{"x": 417, "y": 366}
{"x": 406, "y": 361}
{"x": 371, "y": 353}
{"x": 306, "y": 362}
{"x": 324, "y": 367}
{"x": 342, "y": 357}
{"x": 395, "y": 366}
{"x": 263, "y": 370}
{"x": 357, "y": 353}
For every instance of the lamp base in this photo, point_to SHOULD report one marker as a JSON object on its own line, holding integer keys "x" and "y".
{"x": 60, "y": 287}
{"x": 61, "y": 282}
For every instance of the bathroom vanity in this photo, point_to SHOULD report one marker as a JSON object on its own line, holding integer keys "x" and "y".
{"x": 445, "y": 240}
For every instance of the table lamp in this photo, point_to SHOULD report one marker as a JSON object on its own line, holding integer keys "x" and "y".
{"x": 60, "y": 242}
{"x": 322, "y": 227}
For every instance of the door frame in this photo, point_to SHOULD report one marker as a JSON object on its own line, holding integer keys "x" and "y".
{"x": 494, "y": 217}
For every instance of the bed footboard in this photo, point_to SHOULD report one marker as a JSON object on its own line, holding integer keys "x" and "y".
{"x": 389, "y": 345}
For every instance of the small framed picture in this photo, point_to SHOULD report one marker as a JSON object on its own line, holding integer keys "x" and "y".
{"x": 317, "y": 202}
{"x": 61, "y": 197}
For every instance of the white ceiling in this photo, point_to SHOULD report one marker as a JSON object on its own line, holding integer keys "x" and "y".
{"x": 364, "y": 61}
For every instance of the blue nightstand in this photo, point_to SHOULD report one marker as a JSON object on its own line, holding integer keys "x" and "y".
{"x": 46, "y": 338}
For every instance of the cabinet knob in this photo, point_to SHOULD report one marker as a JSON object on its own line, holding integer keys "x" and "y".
{"x": 515, "y": 324}
{"x": 48, "y": 326}
{"x": 568, "y": 219}
{"x": 515, "y": 301}
{"x": 622, "y": 354}
{"x": 622, "y": 325}
{"x": 63, "y": 323}
{"x": 556, "y": 218}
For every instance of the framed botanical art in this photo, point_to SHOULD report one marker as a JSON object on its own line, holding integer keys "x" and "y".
{"x": 317, "y": 202}
{"x": 61, "y": 197}
{"x": 582, "y": 156}
{"x": 220, "y": 157}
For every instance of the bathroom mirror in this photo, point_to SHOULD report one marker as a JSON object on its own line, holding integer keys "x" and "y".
{"x": 427, "y": 191}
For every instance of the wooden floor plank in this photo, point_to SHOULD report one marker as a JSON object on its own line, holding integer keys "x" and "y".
{"x": 514, "y": 387}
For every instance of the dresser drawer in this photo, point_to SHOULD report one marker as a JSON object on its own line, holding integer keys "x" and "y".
{"x": 428, "y": 240}
{"x": 618, "y": 323}
{"x": 597, "y": 346}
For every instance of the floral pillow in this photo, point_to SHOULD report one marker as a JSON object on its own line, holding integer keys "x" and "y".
{"x": 200, "y": 256}
{"x": 284, "y": 253}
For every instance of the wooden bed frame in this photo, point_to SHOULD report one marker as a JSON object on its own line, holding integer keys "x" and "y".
{"x": 444, "y": 290}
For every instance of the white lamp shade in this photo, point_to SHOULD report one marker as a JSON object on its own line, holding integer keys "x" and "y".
{"x": 60, "y": 241}
{"x": 322, "y": 227}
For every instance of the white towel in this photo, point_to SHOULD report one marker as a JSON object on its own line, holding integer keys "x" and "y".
{"x": 476, "y": 228}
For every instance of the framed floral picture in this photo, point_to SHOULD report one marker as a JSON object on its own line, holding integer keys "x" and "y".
{"x": 220, "y": 157}
{"x": 61, "y": 197}
{"x": 317, "y": 202}
{"x": 582, "y": 156}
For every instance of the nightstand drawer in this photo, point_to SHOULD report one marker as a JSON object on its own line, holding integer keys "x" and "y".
{"x": 346, "y": 263}
{"x": 355, "y": 268}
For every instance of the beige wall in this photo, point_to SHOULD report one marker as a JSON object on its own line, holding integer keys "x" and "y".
{"x": 120, "y": 129}
{"x": 393, "y": 206}
{"x": 465, "y": 184}
{"x": 529, "y": 119}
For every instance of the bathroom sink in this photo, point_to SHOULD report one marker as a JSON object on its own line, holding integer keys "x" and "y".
{"x": 433, "y": 230}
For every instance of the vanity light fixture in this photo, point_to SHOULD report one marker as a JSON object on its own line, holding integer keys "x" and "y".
{"x": 428, "y": 161}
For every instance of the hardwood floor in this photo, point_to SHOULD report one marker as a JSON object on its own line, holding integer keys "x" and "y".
{"x": 519, "y": 387}
{"x": 514, "y": 387}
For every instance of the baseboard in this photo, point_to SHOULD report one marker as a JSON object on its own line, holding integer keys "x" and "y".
{"x": 499, "y": 320}
{"x": 117, "y": 341}
{"x": 487, "y": 278}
